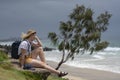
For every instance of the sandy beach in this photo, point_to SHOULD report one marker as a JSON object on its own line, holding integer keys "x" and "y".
{"x": 86, "y": 74}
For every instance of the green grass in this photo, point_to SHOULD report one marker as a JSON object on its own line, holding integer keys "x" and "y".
{"x": 8, "y": 72}
{"x": 3, "y": 56}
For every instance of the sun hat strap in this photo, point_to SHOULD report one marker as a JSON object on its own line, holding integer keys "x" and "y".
{"x": 29, "y": 50}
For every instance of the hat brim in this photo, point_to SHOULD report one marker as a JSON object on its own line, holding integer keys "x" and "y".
{"x": 25, "y": 36}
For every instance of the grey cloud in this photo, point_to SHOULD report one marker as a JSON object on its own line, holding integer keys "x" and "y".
{"x": 44, "y": 15}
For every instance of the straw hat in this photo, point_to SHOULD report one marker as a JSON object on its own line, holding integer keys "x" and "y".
{"x": 28, "y": 34}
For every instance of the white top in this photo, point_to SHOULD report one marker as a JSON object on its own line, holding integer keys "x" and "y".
{"x": 24, "y": 45}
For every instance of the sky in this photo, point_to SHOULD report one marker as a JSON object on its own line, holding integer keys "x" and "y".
{"x": 44, "y": 16}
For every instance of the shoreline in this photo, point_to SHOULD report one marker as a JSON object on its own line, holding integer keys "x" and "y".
{"x": 76, "y": 73}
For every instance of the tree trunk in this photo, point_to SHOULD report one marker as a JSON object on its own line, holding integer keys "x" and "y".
{"x": 63, "y": 56}
{"x": 60, "y": 63}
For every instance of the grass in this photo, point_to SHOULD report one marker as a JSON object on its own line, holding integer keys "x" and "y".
{"x": 8, "y": 72}
{"x": 3, "y": 56}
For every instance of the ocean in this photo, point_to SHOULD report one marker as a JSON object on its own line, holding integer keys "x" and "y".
{"x": 107, "y": 59}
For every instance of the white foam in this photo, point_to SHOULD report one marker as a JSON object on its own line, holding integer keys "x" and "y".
{"x": 98, "y": 57}
{"x": 6, "y": 43}
{"x": 112, "y": 49}
{"x": 95, "y": 58}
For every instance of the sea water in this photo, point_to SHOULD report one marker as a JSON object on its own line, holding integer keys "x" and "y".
{"x": 107, "y": 59}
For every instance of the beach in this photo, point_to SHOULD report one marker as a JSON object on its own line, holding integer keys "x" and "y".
{"x": 76, "y": 73}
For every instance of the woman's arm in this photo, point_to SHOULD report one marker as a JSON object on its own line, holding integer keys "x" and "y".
{"x": 38, "y": 40}
{"x": 39, "y": 43}
{"x": 22, "y": 57}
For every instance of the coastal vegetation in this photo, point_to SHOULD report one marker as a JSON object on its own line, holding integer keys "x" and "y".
{"x": 81, "y": 33}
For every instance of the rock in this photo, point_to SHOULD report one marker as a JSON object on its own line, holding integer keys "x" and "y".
{"x": 48, "y": 49}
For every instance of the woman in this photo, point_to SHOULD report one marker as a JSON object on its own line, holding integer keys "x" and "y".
{"x": 28, "y": 56}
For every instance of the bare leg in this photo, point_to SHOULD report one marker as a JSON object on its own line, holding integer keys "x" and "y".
{"x": 38, "y": 52}
{"x": 37, "y": 63}
{"x": 42, "y": 63}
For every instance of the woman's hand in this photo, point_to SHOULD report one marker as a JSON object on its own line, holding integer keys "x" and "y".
{"x": 36, "y": 37}
{"x": 38, "y": 41}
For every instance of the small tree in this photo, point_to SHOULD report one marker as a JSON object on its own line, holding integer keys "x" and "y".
{"x": 80, "y": 33}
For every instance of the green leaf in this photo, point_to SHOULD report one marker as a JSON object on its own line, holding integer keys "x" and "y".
{"x": 67, "y": 46}
{"x": 61, "y": 45}
{"x": 100, "y": 46}
{"x": 53, "y": 37}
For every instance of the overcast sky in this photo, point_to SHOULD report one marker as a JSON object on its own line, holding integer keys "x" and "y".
{"x": 44, "y": 16}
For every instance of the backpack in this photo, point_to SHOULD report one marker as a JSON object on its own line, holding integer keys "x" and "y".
{"x": 14, "y": 49}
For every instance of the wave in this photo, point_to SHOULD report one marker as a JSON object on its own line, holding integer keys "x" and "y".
{"x": 98, "y": 56}
{"x": 112, "y": 49}
{"x": 109, "y": 51}
{"x": 6, "y": 43}
{"x": 94, "y": 58}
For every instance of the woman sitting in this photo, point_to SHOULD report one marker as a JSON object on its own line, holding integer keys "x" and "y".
{"x": 28, "y": 56}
